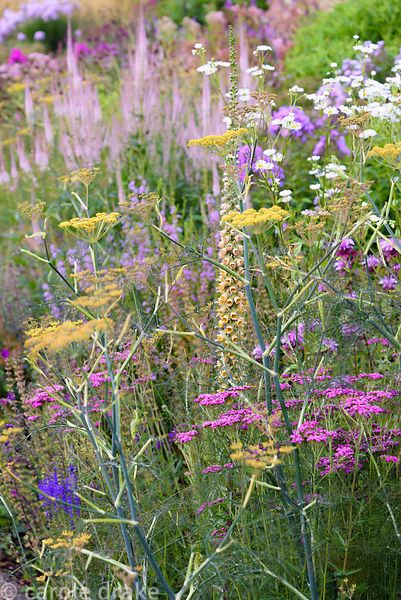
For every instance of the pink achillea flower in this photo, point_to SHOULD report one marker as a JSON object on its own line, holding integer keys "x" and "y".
{"x": 343, "y": 459}
{"x": 97, "y": 379}
{"x": 310, "y": 431}
{"x": 44, "y": 395}
{"x": 382, "y": 341}
{"x": 221, "y": 397}
{"x": 185, "y": 436}
{"x": 242, "y": 417}
{"x": 217, "y": 468}
{"x": 206, "y": 505}
{"x": 361, "y": 406}
{"x": 390, "y": 459}
{"x": 212, "y": 469}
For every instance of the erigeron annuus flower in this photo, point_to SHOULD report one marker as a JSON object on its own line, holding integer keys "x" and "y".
{"x": 296, "y": 89}
{"x": 368, "y": 133}
{"x": 330, "y": 111}
{"x": 263, "y": 165}
{"x": 285, "y": 196}
{"x": 255, "y": 71}
{"x": 208, "y": 68}
{"x": 211, "y": 66}
{"x": 334, "y": 170}
{"x": 244, "y": 95}
{"x": 197, "y": 49}
{"x": 262, "y": 48}
{"x": 91, "y": 229}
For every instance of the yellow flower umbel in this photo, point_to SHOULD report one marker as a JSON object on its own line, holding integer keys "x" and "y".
{"x": 102, "y": 299}
{"x": 68, "y": 539}
{"x": 256, "y": 220}
{"x": 7, "y": 432}
{"x": 91, "y": 229}
{"x": 219, "y": 144}
{"x": 86, "y": 175}
{"x": 56, "y": 336}
{"x": 265, "y": 455}
{"x": 390, "y": 153}
{"x": 31, "y": 211}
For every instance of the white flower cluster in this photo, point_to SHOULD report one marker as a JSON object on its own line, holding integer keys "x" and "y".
{"x": 361, "y": 90}
{"x": 211, "y": 66}
{"x": 288, "y": 122}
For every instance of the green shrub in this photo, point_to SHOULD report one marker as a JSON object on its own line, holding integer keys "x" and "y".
{"x": 195, "y": 9}
{"x": 55, "y": 32}
{"x": 328, "y": 36}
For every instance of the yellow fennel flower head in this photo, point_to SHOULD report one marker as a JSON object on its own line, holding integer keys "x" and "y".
{"x": 6, "y": 432}
{"x": 101, "y": 299}
{"x": 31, "y": 211}
{"x": 69, "y": 540}
{"x": 57, "y": 336}
{"x": 265, "y": 455}
{"x": 219, "y": 144}
{"x": 141, "y": 205}
{"x": 15, "y": 88}
{"x": 390, "y": 153}
{"x": 86, "y": 175}
{"x": 256, "y": 220}
{"x": 90, "y": 228}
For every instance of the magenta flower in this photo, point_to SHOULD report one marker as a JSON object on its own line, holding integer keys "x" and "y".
{"x": 388, "y": 283}
{"x": 186, "y": 436}
{"x": 390, "y": 459}
{"x": 388, "y": 249}
{"x": 16, "y": 56}
{"x": 372, "y": 262}
{"x": 82, "y": 49}
{"x": 346, "y": 248}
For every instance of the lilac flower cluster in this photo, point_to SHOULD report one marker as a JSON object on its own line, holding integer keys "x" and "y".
{"x": 347, "y": 258}
{"x": 46, "y": 10}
